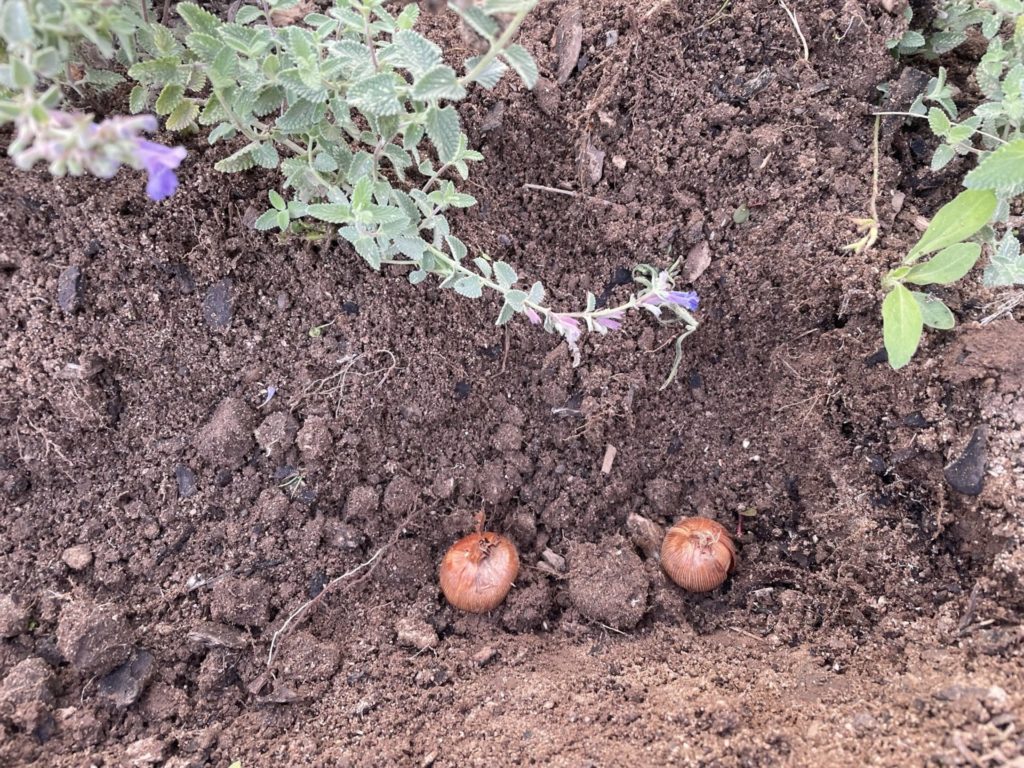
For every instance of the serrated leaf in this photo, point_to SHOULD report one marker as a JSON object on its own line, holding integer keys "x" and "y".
{"x": 198, "y": 19}
{"x": 375, "y": 95}
{"x": 945, "y": 267}
{"x": 938, "y": 121}
{"x": 242, "y": 160}
{"x": 934, "y": 312}
{"x": 182, "y": 116}
{"x": 411, "y": 51}
{"x": 957, "y": 220}
{"x": 276, "y": 200}
{"x": 943, "y": 154}
{"x": 301, "y": 117}
{"x": 438, "y": 83}
{"x": 333, "y": 213}
{"x": 169, "y": 98}
{"x": 138, "y": 99}
{"x": 1003, "y": 170}
{"x": 247, "y": 14}
{"x": 1006, "y": 267}
{"x": 159, "y": 72}
{"x": 478, "y": 21}
{"x": 506, "y": 314}
{"x": 491, "y": 75}
{"x": 456, "y": 247}
{"x": 267, "y": 220}
{"x": 469, "y": 286}
{"x": 483, "y": 265}
{"x": 443, "y": 129}
{"x": 417, "y": 276}
{"x": 536, "y": 294}
{"x": 517, "y": 299}
{"x": 505, "y": 275}
{"x": 221, "y": 131}
{"x": 902, "y": 326}
{"x": 522, "y": 62}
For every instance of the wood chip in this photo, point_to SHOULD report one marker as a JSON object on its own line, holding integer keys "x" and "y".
{"x": 609, "y": 458}
{"x": 697, "y": 260}
{"x": 568, "y": 42}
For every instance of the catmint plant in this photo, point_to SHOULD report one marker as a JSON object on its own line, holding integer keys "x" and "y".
{"x": 351, "y": 105}
{"x": 44, "y": 42}
{"x": 993, "y": 135}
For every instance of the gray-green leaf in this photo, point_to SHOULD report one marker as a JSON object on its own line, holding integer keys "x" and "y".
{"x": 469, "y": 286}
{"x": 1003, "y": 170}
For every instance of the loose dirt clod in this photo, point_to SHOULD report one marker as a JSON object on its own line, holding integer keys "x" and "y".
{"x": 227, "y": 438}
{"x": 93, "y": 638}
{"x": 607, "y": 582}
{"x": 14, "y": 615}
{"x": 26, "y": 693}
{"x": 276, "y": 435}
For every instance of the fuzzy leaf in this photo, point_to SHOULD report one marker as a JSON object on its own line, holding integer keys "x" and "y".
{"x": 183, "y": 116}
{"x": 375, "y": 95}
{"x": 138, "y": 99}
{"x": 1006, "y": 267}
{"x": 268, "y": 220}
{"x": 1003, "y": 170}
{"x": 491, "y": 74}
{"x": 411, "y": 51}
{"x": 301, "y": 117}
{"x": 438, "y": 83}
{"x": 469, "y": 286}
{"x": 198, "y": 19}
{"x": 902, "y": 325}
{"x": 169, "y": 98}
{"x": 333, "y": 213}
{"x": 505, "y": 275}
{"x": 522, "y": 62}
{"x": 443, "y": 129}
{"x": 943, "y": 154}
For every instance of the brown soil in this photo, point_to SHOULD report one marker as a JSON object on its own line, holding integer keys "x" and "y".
{"x": 160, "y": 523}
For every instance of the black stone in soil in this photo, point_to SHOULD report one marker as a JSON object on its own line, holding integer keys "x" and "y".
{"x": 879, "y": 357}
{"x": 462, "y": 390}
{"x": 967, "y": 472}
{"x": 186, "y": 481}
{"x": 223, "y": 478}
{"x": 218, "y": 306}
{"x": 915, "y": 420}
{"x": 71, "y": 290}
{"x": 317, "y": 584}
{"x": 350, "y": 308}
{"x": 125, "y": 684}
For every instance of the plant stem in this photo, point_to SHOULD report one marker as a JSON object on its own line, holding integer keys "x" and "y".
{"x": 500, "y": 45}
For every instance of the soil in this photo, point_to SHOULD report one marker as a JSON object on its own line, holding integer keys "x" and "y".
{"x": 184, "y": 464}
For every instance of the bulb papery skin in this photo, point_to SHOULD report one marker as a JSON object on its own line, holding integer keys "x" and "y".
{"x": 698, "y": 554}
{"x": 478, "y": 571}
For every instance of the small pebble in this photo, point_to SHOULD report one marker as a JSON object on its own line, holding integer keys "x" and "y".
{"x": 186, "y": 481}
{"x": 966, "y": 474}
{"x": 219, "y": 304}
{"x": 416, "y": 633}
{"x": 78, "y": 557}
{"x": 71, "y": 290}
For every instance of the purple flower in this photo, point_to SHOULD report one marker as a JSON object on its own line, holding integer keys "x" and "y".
{"x": 569, "y": 327}
{"x": 159, "y": 162}
{"x": 611, "y": 321}
{"x": 532, "y": 316}
{"x": 685, "y": 299}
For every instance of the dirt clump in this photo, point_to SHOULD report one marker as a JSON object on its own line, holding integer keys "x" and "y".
{"x": 607, "y": 582}
{"x": 93, "y": 638}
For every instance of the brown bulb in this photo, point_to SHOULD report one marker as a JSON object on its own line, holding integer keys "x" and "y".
{"x": 698, "y": 554}
{"x": 478, "y": 571}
